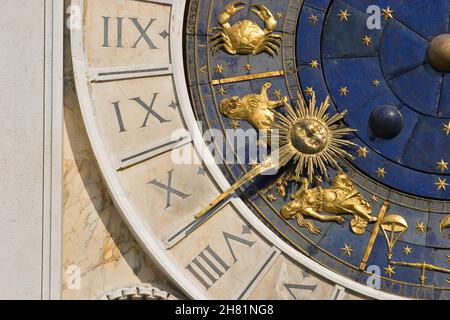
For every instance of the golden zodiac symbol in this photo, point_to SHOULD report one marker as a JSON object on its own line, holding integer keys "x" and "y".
{"x": 246, "y": 37}
{"x": 253, "y": 108}
{"x": 393, "y": 227}
{"x": 341, "y": 198}
{"x": 310, "y": 140}
{"x": 393, "y": 224}
{"x": 445, "y": 224}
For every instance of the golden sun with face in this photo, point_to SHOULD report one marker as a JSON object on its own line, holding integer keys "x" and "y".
{"x": 311, "y": 138}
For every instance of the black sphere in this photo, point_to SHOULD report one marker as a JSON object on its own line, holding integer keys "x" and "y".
{"x": 386, "y": 122}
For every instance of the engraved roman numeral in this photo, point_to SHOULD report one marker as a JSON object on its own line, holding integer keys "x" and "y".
{"x": 208, "y": 267}
{"x": 229, "y": 237}
{"x": 143, "y": 33}
{"x": 170, "y": 190}
{"x": 119, "y": 27}
{"x": 291, "y": 287}
{"x": 260, "y": 271}
{"x": 147, "y": 107}
{"x": 338, "y": 293}
{"x": 213, "y": 261}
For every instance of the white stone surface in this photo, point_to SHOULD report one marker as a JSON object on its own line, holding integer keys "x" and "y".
{"x": 31, "y": 112}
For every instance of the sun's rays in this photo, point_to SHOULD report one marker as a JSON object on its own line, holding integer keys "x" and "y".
{"x": 310, "y": 138}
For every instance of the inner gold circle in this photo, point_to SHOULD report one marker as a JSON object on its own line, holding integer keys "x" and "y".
{"x": 309, "y": 136}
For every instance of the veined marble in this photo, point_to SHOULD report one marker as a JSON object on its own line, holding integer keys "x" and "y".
{"x": 95, "y": 238}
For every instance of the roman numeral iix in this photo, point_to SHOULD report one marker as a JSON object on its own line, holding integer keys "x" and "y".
{"x": 118, "y": 28}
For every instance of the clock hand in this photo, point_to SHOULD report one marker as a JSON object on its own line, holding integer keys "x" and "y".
{"x": 268, "y": 164}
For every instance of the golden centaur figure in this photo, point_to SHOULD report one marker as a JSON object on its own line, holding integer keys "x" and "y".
{"x": 256, "y": 109}
{"x": 341, "y": 198}
{"x": 246, "y": 37}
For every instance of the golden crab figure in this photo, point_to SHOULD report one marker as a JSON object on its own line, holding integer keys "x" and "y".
{"x": 246, "y": 37}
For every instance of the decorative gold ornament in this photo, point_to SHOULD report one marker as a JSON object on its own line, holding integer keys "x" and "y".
{"x": 309, "y": 91}
{"x": 235, "y": 124}
{"x": 445, "y": 224}
{"x": 313, "y": 19}
{"x": 442, "y": 184}
{"x": 347, "y": 250}
{"x": 363, "y": 152}
{"x": 311, "y": 138}
{"x": 310, "y": 141}
{"x": 344, "y": 14}
{"x": 389, "y": 271}
{"x": 341, "y": 198}
{"x": 253, "y": 108}
{"x": 314, "y": 64}
{"x": 442, "y": 165}
{"x": 446, "y": 128}
{"x": 246, "y": 37}
{"x": 420, "y": 227}
{"x": 376, "y": 83}
{"x": 219, "y": 68}
{"x": 344, "y": 91}
{"x": 387, "y": 13}
{"x": 422, "y": 266}
{"x": 381, "y": 172}
{"x": 221, "y": 91}
{"x": 407, "y": 250}
{"x": 367, "y": 40}
{"x": 393, "y": 226}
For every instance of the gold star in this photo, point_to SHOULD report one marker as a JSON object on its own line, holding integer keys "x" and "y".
{"x": 446, "y": 128}
{"x": 314, "y": 64}
{"x": 247, "y": 66}
{"x": 376, "y": 83}
{"x": 344, "y": 91}
{"x": 278, "y": 94}
{"x": 219, "y": 68}
{"x": 279, "y": 15}
{"x": 222, "y": 91}
{"x": 309, "y": 91}
{"x": 442, "y": 184}
{"x": 420, "y": 227}
{"x": 363, "y": 152}
{"x": 389, "y": 270}
{"x": 442, "y": 165}
{"x": 381, "y": 172}
{"x": 313, "y": 19}
{"x": 344, "y": 15}
{"x": 318, "y": 179}
{"x": 387, "y": 13}
{"x": 235, "y": 124}
{"x": 271, "y": 198}
{"x": 347, "y": 250}
{"x": 407, "y": 250}
{"x": 367, "y": 40}
{"x": 374, "y": 198}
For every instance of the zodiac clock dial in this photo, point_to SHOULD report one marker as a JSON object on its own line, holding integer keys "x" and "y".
{"x": 348, "y": 105}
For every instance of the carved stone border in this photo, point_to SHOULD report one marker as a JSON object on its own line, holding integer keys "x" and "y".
{"x": 136, "y": 292}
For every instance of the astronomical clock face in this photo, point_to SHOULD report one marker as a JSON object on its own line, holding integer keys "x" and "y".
{"x": 269, "y": 149}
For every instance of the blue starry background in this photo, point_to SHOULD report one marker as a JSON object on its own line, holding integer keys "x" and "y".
{"x": 396, "y": 57}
